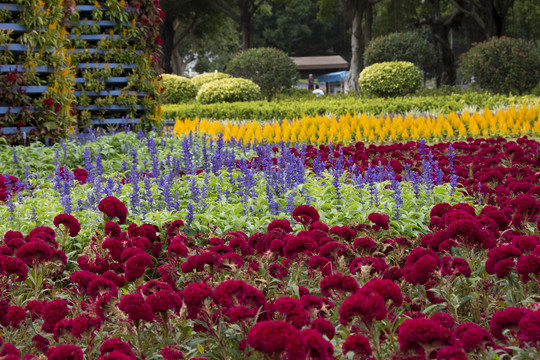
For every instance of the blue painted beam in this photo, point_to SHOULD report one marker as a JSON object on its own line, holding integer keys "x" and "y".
{"x": 110, "y": 107}
{"x": 10, "y": 7}
{"x": 10, "y": 109}
{"x": 14, "y": 130}
{"x": 109, "y": 93}
{"x": 111, "y": 80}
{"x": 13, "y": 27}
{"x": 23, "y": 48}
{"x": 115, "y": 121}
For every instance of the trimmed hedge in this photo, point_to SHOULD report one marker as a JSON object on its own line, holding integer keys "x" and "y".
{"x": 228, "y": 90}
{"x": 263, "y": 110}
{"x": 177, "y": 89}
{"x": 202, "y": 79}
{"x": 393, "y": 78}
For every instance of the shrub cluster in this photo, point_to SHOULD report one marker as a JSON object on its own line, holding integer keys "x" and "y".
{"x": 228, "y": 90}
{"x": 269, "y": 68}
{"x": 406, "y": 46}
{"x": 503, "y": 65}
{"x": 202, "y": 79}
{"x": 177, "y": 89}
{"x": 388, "y": 79}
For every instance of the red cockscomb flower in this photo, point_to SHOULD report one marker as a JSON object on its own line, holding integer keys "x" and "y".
{"x": 174, "y": 228}
{"x": 136, "y": 308}
{"x": 472, "y": 337}
{"x": 529, "y": 326}
{"x": 172, "y": 352}
{"x": 194, "y": 296}
{"x": 116, "y": 345}
{"x": 358, "y": 344}
{"x": 164, "y": 300}
{"x": 423, "y": 336}
{"x": 231, "y": 293}
{"x": 113, "y": 208}
{"x": 34, "y": 253}
{"x": 325, "y": 327}
{"x": 366, "y": 305}
{"x": 338, "y": 284}
{"x": 379, "y": 220}
{"x": 280, "y": 223}
{"x": 63, "y": 352}
{"x": 297, "y": 245}
{"x": 305, "y": 215}
{"x": 10, "y": 265}
{"x": 53, "y": 312}
{"x": 277, "y": 337}
{"x": 70, "y": 223}
{"x": 389, "y": 290}
{"x": 508, "y": 318}
{"x": 15, "y": 315}
{"x": 317, "y": 346}
{"x": 451, "y": 353}
{"x": 101, "y": 286}
{"x": 137, "y": 264}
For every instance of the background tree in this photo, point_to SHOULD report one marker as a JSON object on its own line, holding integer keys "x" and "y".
{"x": 188, "y": 27}
{"x": 294, "y": 28}
{"x": 361, "y": 12}
{"x": 241, "y": 12}
{"x": 441, "y": 17}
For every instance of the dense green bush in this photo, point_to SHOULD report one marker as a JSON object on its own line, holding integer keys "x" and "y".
{"x": 503, "y": 65}
{"x": 263, "y": 110}
{"x": 177, "y": 89}
{"x": 269, "y": 68}
{"x": 406, "y": 46}
{"x": 395, "y": 78}
{"x": 202, "y": 79}
{"x": 228, "y": 90}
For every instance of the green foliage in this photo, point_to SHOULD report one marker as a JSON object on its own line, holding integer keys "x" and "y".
{"x": 202, "y": 79}
{"x": 177, "y": 89}
{"x": 269, "y": 68}
{"x": 228, "y": 90}
{"x": 293, "y": 26}
{"x": 396, "y": 78}
{"x": 503, "y": 65}
{"x": 406, "y": 46}
{"x": 263, "y": 110}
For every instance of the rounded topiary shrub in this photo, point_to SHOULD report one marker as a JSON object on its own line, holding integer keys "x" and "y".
{"x": 228, "y": 90}
{"x": 395, "y": 78}
{"x": 269, "y": 68}
{"x": 202, "y": 79}
{"x": 177, "y": 89}
{"x": 406, "y": 46}
{"x": 503, "y": 65}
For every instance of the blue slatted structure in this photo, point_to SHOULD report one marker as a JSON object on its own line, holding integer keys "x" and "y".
{"x": 103, "y": 99}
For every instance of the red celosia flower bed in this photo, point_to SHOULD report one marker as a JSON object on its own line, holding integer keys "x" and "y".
{"x": 468, "y": 288}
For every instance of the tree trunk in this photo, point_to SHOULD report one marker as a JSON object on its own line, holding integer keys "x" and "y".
{"x": 245, "y": 25}
{"x": 357, "y": 47}
{"x": 446, "y": 71}
{"x": 167, "y": 34}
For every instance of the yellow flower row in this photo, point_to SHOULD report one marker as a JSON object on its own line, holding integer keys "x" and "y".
{"x": 510, "y": 122}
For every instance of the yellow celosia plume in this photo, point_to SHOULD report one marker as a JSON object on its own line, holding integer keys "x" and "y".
{"x": 347, "y": 128}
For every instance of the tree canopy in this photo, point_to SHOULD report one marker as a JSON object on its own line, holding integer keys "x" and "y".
{"x": 212, "y": 31}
